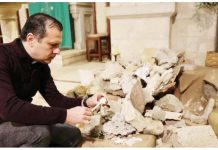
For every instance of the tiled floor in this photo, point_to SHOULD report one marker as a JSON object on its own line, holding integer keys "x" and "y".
{"x": 66, "y": 78}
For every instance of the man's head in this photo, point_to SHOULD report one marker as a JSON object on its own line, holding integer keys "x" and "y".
{"x": 41, "y": 36}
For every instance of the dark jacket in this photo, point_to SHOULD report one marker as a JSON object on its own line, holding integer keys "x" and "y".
{"x": 20, "y": 79}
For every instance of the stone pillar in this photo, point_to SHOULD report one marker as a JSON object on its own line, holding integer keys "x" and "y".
{"x": 82, "y": 14}
{"x": 9, "y": 29}
{"x": 23, "y": 15}
{"x": 8, "y": 21}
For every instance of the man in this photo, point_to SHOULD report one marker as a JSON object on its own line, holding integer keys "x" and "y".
{"x": 24, "y": 70}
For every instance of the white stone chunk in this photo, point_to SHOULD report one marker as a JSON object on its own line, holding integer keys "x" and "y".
{"x": 170, "y": 103}
{"x": 143, "y": 72}
{"x": 194, "y": 136}
{"x": 202, "y": 118}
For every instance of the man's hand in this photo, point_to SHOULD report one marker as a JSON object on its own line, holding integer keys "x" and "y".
{"x": 78, "y": 115}
{"x": 94, "y": 100}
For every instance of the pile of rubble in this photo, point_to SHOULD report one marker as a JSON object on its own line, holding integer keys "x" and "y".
{"x": 141, "y": 103}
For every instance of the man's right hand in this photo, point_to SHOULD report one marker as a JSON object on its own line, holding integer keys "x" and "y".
{"x": 78, "y": 115}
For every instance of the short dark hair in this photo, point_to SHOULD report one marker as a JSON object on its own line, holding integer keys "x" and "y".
{"x": 36, "y": 24}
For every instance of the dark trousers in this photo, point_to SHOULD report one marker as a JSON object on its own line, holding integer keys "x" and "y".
{"x": 61, "y": 135}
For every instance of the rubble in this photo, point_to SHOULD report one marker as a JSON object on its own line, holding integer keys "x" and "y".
{"x": 200, "y": 119}
{"x": 170, "y": 103}
{"x": 142, "y": 104}
{"x": 137, "y": 97}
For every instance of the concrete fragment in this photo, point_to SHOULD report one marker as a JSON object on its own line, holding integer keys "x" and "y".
{"x": 153, "y": 83}
{"x": 114, "y": 84}
{"x": 113, "y": 69}
{"x": 128, "y": 141}
{"x": 148, "y": 96}
{"x": 133, "y": 117}
{"x": 166, "y": 76}
{"x": 127, "y": 82}
{"x": 194, "y": 136}
{"x": 143, "y": 72}
{"x": 137, "y": 97}
{"x": 170, "y": 103}
{"x": 173, "y": 115}
{"x": 201, "y": 118}
{"x": 166, "y": 56}
{"x": 158, "y": 113}
{"x": 117, "y": 126}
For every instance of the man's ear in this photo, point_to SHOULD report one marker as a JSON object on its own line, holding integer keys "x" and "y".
{"x": 30, "y": 38}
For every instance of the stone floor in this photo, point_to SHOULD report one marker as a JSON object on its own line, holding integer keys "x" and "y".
{"x": 66, "y": 78}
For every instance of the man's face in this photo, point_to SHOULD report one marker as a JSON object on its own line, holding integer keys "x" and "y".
{"x": 47, "y": 48}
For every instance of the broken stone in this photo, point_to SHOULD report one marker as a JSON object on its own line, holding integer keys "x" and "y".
{"x": 153, "y": 83}
{"x": 148, "y": 97}
{"x": 116, "y": 93}
{"x": 170, "y": 103}
{"x": 113, "y": 69}
{"x": 143, "y": 72}
{"x": 154, "y": 127}
{"x": 118, "y": 126}
{"x": 194, "y": 136}
{"x": 114, "y": 84}
{"x": 213, "y": 121}
{"x": 164, "y": 89}
{"x": 156, "y": 69}
{"x": 133, "y": 117}
{"x": 137, "y": 97}
{"x": 202, "y": 118}
{"x": 166, "y": 76}
{"x": 129, "y": 141}
{"x": 166, "y": 56}
{"x": 196, "y": 106}
{"x": 127, "y": 82}
{"x": 158, "y": 113}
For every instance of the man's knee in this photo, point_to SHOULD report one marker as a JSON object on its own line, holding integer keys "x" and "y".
{"x": 78, "y": 134}
{"x": 41, "y": 136}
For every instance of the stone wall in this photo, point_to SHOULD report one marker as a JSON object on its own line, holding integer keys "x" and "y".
{"x": 194, "y": 31}
{"x": 138, "y": 26}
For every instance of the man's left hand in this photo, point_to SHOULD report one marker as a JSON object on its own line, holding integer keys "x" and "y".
{"x": 94, "y": 100}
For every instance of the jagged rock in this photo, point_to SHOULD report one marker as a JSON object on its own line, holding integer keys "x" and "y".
{"x": 112, "y": 70}
{"x": 170, "y": 103}
{"x": 153, "y": 83}
{"x": 166, "y": 76}
{"x": 115, "y": 106}
{"x": 148, "y": 96}
{"x": 132, "y": 116}
{"x": 164, "y": 89}
{"x": 115, "y": 84}
{"x": 166, "y": 56}
{"x": 143, "y": 72}
{"x": 116, "y": 93}
{"x": 137, "y": 97}
{"x": 154, "y": 127}
{"x": 156, "y": 69}
{"x": 213, "y": 121}
{"x": 194, "y": 136}
{"x": 118, "y": 126}
{"x": 158, "y": 114}
{"x": 127, "y": 82}
{"x": 202, "y": 118}
{"x": 129, "y": 141}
